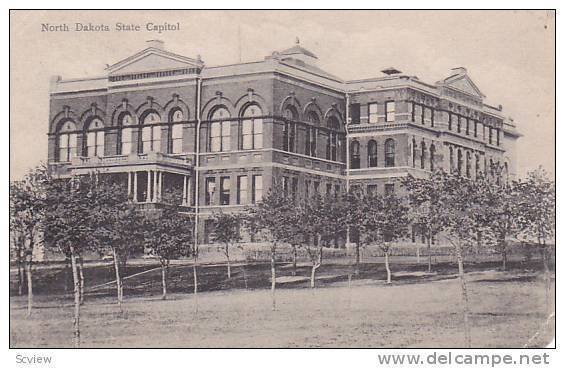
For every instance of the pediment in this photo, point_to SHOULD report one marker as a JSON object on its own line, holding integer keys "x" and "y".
{"x": 463, "y": 83}
{"x": 152, "y": 59}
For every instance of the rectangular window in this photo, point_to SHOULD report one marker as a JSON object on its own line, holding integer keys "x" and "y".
{"x": 333, "y": 138}
{"x": 373, "y": 117}
{"x": 389, "y": 111}
{"x": 328, "y": 189}
{"x": 328, "y": 146}
{"x": 316, "y": 187}
{"x": 294, "y": 188}
{"x": 497, "y": 136}
{"x": 337, "y": 190}
{"x": 307, "y": 188}
{"x": 355, "y": 112}
{"x": 286, "y": 127}
{"x": 372, "y": 189}
{"x": 475, "y": 128}
{"x": 428, "y": 114}
{"x": 418, "y": 114}
{"x": 146, "y": 133}
{"x": 432, "y": 117}
{"x": 308, "y": 140}
{"x": 291, "y": 136}
{"x": 450, "y": 121}
{"x": 225, "y": 190}
{"x": 458, "y": 124}
{"x": 389, "y": 189}
{"x": 490, "y": 135}
{"x": 257, "y": 190}
{"x": 467, "y": 123}
{"x": 242, "y": 189}
{"x": 210, "y": 189}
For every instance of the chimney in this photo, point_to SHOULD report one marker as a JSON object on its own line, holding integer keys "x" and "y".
{"x": 156, "y": 44}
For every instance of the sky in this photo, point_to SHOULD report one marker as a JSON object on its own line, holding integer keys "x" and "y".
{"x": 510, "y": 55}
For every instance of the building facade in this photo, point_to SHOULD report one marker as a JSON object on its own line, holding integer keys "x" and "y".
{"x": 223, "y": 136}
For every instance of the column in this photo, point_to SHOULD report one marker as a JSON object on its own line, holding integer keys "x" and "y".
{"x": 148, "y": 196}
{"x": 184, "y": 191}
{"x": 135, "y": 186}
{"x": 129, "y": 184}
{"x": 160, "y": 188}
{"x": 155, "y": 174}
{"x": 188, "y": 192}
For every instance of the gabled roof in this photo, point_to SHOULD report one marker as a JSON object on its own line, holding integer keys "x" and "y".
{"x": 153, "y": 58}
{"x": 460, "y": 81}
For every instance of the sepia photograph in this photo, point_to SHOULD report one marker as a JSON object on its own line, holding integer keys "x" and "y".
{"x": 282, "y": 179}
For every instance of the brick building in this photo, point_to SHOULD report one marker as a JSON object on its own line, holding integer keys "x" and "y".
{"x": 279, "y": 120}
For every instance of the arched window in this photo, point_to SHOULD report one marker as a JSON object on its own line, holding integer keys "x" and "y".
{"x": 67, "y": 142}
{"x": 389, "y": 152}
{"x": 125, "y": 134}
{"x": 252, "y": 128}
{"x": 372, "y": 153}
{"x": 423, "y": 156}
{"x": 220, "y": 130}
{"x": 290, "y": 113}
{"x": 459, "y": 162}
{"x": 355, "y": 156}
{"x": 94, "y": 143}
{"x": 313, "y": 118}
{"x": 175, "y": 131}
{"x": 150, "y": 133}
{"x": 331, "y": 149}
{"x": 468, "y": 164}
{"x": 432, "y": 157}
{"x": 312, "y": 133}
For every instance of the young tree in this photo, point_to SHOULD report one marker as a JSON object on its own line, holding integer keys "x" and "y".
{"x": 27, "y": 210}
{"x": 117, "y": 224}
{"x": 227, "y": 232}
{"x": 355, "y": 218}
{"x": 425, "y": 212}
{"x": 68, "y": 227}
{"x": 168, "y": 235}
{"x": 272, "y": 215}
{"x": 323, "y": 218}
{"x": 536, "y": 219}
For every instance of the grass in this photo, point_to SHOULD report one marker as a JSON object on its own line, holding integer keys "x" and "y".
{"x": 418, "y": 310}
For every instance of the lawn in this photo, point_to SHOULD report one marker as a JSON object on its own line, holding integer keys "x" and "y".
{"x": 418, "y": 310}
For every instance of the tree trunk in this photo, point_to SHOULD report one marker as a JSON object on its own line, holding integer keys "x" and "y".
{"x": 76, "y": 282}
{"x": 387, "y": 266}
{"x": 118, "y": 278}
{"x": 164, "y": 267}
{"x": 66, "y": 273}
{"x": 464, "y": 296}
{"x": 294, "y": 256}
{"x": 547, "y": 277}
{"x": 315, "y": 266}
{"x": 273, "y": 275}
{"x": 429, "y": 251}
{"x": 29, "y": 263}
{"x": 21, "y": 273}
{"x": 504, "y": 258}
{"x": 195, "y": 277}
{"x": 357, "y": 257}
{"x": 80, "y": 265}
{"x": 228, "y": 258}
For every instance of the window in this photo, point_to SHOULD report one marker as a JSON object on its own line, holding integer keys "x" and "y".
{"x": 252, "y": 128}
{"x": 337, "y": 190}
{"x": 94, "y": 139}
{"x": 67, "y": 142}
{"x": 458, "y": 124}
{"x": 285, "y": 186}
{"x": 432, "y": 117}
{"x": 210, "y": 190}
{"x": 490, "y": 135}
{"x": 331, "y": 149}
{"x": 220, "y": 131}
{"x": 428, "y": 115}
{"x": 475, "y": 128}
{"x": 328, "y": 189}
{"x": 497, "y": 136}
{"x": 125, "y": 134}
{"x": 372, "y": 189}
{"x": 450, "y": 121}
{"x": 257, "y": 189}
{"x": 389, "y": 189}
{"x": 372, "y": 153}
{"x": 373, "y": 116}
{"x": 423, "y": 156}
{"x": 307, "y": 188}
{"x": 389, "y": 152}
{"x": 225, "y": 183}
{"x": 418, "y": 114}
{"x": 151, "y": 133}
{"x": 294, "y": 188}
{"x": 355, "y": 111}
{"x": 432, "y": 157}
{"x": 389, "y": 111}
{"x": 355, "y": 156}
{"x": 175, "y": 131}
{"x": 466, "y": 122}
{"x": 310, "y": 141}
{"x": 242, "y": 189}
{"x": 316, "y": 187}
{"x": 289, "y": 134}
{"x": 477, "y": 165}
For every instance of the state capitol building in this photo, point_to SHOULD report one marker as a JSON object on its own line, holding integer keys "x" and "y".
{"x": 223, "y": 135}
